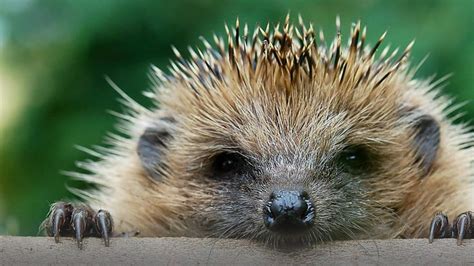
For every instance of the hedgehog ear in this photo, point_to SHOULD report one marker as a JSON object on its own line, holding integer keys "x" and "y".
{"x": 426, "y": 140}
{"x": 152, "y": 145}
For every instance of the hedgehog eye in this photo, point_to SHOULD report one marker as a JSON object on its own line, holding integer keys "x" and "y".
{"x": 355, "y": 158}
{"x": 227, "y": 163}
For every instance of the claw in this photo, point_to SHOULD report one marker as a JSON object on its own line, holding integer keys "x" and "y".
{"x": 462, "y": 226}
{"x": 103, "y": 223}
{"x": 439, "y": 227}
{"x": 58, "y": 221}
{"x": 79, "y": 225}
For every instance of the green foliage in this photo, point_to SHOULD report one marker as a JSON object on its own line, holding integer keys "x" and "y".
{"x": 60, "y": 51}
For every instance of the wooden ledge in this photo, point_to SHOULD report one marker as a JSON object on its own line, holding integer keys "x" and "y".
{"x": 192, "y": 251}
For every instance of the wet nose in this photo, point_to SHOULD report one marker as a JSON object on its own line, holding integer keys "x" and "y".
{"x": 288, "y": 211}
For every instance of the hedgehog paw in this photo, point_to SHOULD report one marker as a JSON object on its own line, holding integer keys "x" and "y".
{"x": 78, "y": 220}
{"x": 462, "y": 227}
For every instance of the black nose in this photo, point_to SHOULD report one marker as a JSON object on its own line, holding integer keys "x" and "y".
{"x": 288, "y": 211}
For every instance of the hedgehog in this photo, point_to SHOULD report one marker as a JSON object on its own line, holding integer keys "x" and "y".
{"x": 283, "y": 138}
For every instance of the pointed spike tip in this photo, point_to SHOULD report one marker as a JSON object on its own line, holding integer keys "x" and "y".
{"x": 175, "y": 51}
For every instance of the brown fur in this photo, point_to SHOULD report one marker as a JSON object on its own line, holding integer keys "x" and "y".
{"x": 285, "y": 93}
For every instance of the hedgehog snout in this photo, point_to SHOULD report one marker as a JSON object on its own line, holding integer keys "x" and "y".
{"x": 288, "y": 212}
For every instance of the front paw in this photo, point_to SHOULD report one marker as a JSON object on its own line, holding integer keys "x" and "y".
{"x": 461, "y": 228}
{"x": 78, "y": 220}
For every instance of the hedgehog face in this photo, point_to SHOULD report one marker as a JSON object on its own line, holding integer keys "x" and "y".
{"x": 289, "y": 198}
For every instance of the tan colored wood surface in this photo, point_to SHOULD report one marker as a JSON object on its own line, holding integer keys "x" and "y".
{"x": 192, "y": 251}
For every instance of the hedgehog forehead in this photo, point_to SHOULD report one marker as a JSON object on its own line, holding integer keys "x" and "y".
{"x": 265, "y": 121}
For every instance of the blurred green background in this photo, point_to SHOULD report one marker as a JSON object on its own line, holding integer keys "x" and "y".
{"x": 54, "y": 55}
